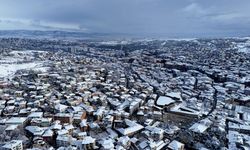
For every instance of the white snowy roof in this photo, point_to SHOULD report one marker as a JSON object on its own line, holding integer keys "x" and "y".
{"x": 176, "y": 95}
{"x": 88, "y": 140}
{"x": 36, "y": 115}
{"x": 199, "y": 128}
{"x": 130, "y": 130}
{"x": 62, "y": 132}
{"x": 143, "y": 144}
{"x": 48, "y": 133}
{"x": 112, "y": 133}
{"x": 83, "y": 123}
{"x": 108, "y": 144}
{"x": 175, "y": 145}
{"x": 16, "y": 120}
{"x": 185, "y": 110}
{"x": 61, "y": 107}
{"x": 69, "y": 127}
{"x": 63, "y": 138}
{"x": 163, "y": 100}
{"x": 124, "y": 140}
{"x": 35, "y": 130}
{"x": 11, "y": 127}
{"x": 56, "y": 126}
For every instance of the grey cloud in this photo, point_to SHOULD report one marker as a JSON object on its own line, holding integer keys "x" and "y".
{"x": 141, "y": 17}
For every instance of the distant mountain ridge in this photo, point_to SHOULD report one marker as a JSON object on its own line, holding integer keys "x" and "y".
{"x": 37, "y": 34}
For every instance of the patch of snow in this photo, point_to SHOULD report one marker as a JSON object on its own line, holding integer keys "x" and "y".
{"x": 244, "y": 47}
{"x": 113, "y": 42}
{"x": 19, "y": 60}
{"x": 163, "y": 100}
{"x": 41, "y": 69}
{"x": 8, "y": 70}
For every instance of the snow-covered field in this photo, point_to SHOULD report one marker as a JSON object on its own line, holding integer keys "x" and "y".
{"x": 8, "y": 70}
{"x": 11, "y": 64}
{"x": 114, "y": 42}
{"x": 28, "y": 52}
{"x": 244, "y": 47}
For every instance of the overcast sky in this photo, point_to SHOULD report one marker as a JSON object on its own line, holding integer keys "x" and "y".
{"x": 169, "y": 18}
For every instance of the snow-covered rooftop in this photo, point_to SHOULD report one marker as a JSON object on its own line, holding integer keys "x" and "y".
{"x": 163, "y": 100}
